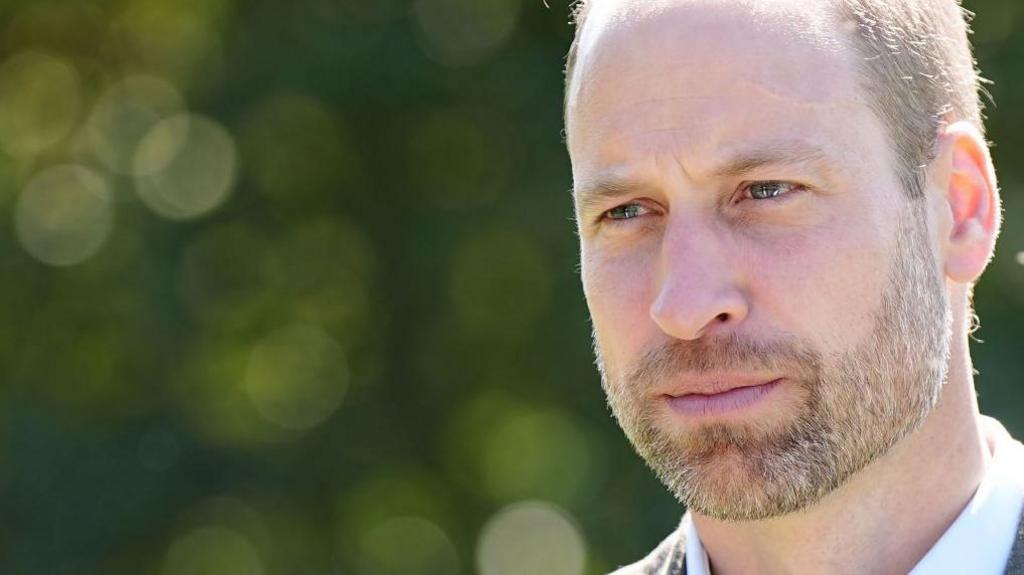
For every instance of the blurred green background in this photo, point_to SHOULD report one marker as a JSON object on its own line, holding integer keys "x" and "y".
{"x": 290, "y": 288}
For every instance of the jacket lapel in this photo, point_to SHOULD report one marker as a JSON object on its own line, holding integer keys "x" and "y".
{"x": 675, "y": 563}
{"x": 1015, "y": 565}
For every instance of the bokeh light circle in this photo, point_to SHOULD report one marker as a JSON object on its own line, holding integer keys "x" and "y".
{"x": 181, "y": 40}
{"x": 297, "y": 376}
{"x": 185, "y": 166}
{"x": 124, "y": 115}
{"x": 425, "y": 548}
{"x": 40, "y": 101}
{"x": 212, "y": 550}
{"x": 458, "y": 33}
{"x": 64, "y": 215}
{"x": 506, "y": 450}
{"x": 535, "y": 452}
{"x": 528, "y": 538}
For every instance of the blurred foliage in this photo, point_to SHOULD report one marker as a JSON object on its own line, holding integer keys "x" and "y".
{"x": 290, "y": 289}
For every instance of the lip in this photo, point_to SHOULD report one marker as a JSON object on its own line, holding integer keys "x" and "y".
{"x": 723, "y": 398}
{"x": 712, "y": 383}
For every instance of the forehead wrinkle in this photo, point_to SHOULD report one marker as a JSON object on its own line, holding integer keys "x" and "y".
{"x": 627, "y": 125}
{"x": 720, "y": 155}
{"x": 817, "y": 98}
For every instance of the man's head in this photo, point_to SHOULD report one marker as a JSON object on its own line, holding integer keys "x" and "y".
{"x": 778, "y": 225}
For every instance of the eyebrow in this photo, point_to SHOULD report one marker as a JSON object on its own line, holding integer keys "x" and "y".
{"x": 604, "y": 191}
{"x": 608, "y": 188}
{"x": 780, "y": 154}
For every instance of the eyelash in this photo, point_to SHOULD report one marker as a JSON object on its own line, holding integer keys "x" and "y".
{"x": 781, "y": 196}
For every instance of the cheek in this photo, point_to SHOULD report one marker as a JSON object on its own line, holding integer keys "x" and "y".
{"x": 823, "y": 284}
{"x": 618, "y": 288}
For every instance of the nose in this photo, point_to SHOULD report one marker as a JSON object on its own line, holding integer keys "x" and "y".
{"x": 698, "y": 293}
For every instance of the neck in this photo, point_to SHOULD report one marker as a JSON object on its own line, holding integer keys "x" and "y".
{"x": 887, "y": 516}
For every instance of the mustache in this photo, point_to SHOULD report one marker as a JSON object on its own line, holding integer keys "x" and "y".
{"x": 732, "y": 353}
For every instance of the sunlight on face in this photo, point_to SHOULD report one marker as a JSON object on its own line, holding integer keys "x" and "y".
{"x": 856, "y": 405}
{"x": 739, "y": 214}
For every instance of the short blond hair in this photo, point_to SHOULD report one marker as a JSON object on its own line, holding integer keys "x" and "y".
{"x": 917, "y": 68}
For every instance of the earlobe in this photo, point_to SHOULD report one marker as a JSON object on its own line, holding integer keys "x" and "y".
{"x": 967, "y": 180}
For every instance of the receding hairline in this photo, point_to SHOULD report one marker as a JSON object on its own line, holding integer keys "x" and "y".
{"x": 915, "y": 69}
{"x": 815, "y": 27}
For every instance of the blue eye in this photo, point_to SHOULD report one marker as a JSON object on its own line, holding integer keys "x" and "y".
{"x": 768, "y": 190}
{"x": 625, "y": 212}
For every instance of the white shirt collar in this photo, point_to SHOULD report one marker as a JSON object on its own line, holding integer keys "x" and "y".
{"x": 696, "y": 557}
{"x": 980, "y": 539}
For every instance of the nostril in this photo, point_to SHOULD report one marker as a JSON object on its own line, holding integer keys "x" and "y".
{"x": 722, "y": 318}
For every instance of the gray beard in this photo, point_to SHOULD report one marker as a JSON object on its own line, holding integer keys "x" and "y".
{"x": 856, "y": 405}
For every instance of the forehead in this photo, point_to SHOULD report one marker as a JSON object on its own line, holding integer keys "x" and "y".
{"x": 708, "y": 73}
{"x": 767, "y": 33}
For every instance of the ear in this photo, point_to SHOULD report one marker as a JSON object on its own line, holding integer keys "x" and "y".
{"x": 964, "y": 177}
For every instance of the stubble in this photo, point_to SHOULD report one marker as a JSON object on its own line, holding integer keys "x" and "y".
{"x": 853, "y": 406}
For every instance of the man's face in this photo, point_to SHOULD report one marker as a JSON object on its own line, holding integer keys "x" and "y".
{"x": 768, "y": 311}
